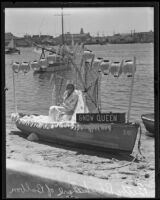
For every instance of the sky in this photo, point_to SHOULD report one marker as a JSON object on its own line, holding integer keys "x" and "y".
{"x": 103, "y": 21}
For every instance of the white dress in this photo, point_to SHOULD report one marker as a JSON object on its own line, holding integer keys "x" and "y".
{"x": 56, "y": 113}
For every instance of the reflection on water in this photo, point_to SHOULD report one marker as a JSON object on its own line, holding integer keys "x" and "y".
{"x": 35, "y": 92}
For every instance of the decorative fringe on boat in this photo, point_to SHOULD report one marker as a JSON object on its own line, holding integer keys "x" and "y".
{"x": 32, "y": 121}
{"x": 14, "y": 117}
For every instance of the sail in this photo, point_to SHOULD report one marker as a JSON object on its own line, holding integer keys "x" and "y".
{"x": 92, "y": 84}
{"x": 88, "y": 80}
{"x": 11, "y": 44}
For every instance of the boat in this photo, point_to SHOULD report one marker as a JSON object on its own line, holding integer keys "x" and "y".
{"x": 95, "y": 42}
{"x": 11, "y": 48}
{"x": 90, "y": 126}
{"x": 113, "y": 137}
{"x": 148, "y": 121}
{"x": 58, "y": 59}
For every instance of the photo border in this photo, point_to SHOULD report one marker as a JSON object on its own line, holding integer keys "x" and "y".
{"x": 14, "y": 4}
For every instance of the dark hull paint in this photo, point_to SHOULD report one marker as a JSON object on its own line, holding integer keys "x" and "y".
{"x": 54, "y": 68}
{"x": 121, "y": 137}
{"x": 12, "y": 51}
{"x": 148, "y": 121}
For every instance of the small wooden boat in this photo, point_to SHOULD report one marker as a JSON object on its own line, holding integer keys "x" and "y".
{"x": 115, "y": 137}
{"x": 89, "y": 125}
{"x": 148, "y": 121}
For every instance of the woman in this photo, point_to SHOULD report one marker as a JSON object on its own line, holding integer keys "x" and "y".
{"x": 66, "y": 109}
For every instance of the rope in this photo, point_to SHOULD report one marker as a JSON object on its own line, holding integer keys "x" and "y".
{"x": 83, "y": 84}
{"x": 42, "y": 54}
{"x": 124, "y": 165}
{"x": 86, "y": 91}
{"x": 60, "y": 86}
{"x": 139, "y": 141}
{"x": 136, "y": 156}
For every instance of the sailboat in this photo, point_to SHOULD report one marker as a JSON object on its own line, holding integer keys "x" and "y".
{"x": 57, "y": 59}
{"x": 89, "y": 125}
{"x": 11, "y": 48}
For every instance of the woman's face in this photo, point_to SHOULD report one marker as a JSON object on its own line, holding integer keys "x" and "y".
{"x": 70, "y": 89}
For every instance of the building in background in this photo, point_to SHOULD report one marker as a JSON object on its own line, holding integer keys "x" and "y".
{"x": 81, "y": 37}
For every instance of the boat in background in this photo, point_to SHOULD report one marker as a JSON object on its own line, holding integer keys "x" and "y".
{"x": 148, "y": 121}
{"x": 11, "y": 48}
{"x": 57, "y": 59}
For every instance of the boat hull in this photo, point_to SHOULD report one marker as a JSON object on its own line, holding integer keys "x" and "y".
{"x": 54, "y": 68}
{"x": 148, "y": 121}
{"x": 12, "y": 51}
{"x": 121, "y": 137}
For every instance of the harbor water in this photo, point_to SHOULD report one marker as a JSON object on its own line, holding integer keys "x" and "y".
{"x": 34, "y": 92}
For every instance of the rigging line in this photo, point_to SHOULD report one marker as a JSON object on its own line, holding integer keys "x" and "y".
{"x": 139, "y": 141}
{"x": 86, "y": 91}
{"x": 91, "y": 84}
{"x": 80, "y": 76}
{"x": 60, "y": 87}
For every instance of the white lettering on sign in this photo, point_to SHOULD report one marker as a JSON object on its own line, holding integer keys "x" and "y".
{"x": 106, "y": 118}
{"x": 86, "y": 118}
{"x": 100, "y": 118}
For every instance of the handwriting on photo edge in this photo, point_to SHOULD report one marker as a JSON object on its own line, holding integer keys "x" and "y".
{"x": 139, "y": 191}
{"x": 41, "y": 189}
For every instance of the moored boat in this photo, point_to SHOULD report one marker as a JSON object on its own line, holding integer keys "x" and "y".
{"x": 115, "y": 137}
{"x": 57, "y": 60}
{"x": 54, "y": 61}
{"x": 105, "y": 130}
{"x": 11, "y": 48}
{"x": 148, "y": 121}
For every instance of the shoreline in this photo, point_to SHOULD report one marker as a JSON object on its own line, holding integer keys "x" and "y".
{"x": 104, "y": 166}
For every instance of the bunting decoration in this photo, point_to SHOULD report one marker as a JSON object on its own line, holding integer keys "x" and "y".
{"x": 25, "y": 67}
{"x": 16, "y": 67}
{"x": 35, "y": 65}
{"x": 129, "y": 68}
{"x": 43, "y": 63}
{"x": 115, "y": 68}
{"x": 51, "y": 58}
{"x": 88, "y": 69}
{"x": 105, "y": 66}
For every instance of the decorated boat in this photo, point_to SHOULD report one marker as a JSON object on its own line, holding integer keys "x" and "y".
{"x": 11, "y": 48}
{"x": 89, "y": 126}
{"x": 148, "y": 121}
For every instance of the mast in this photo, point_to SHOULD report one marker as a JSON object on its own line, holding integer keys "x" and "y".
{"x": 62, "y": 22}
{"x": 62, "y": 28}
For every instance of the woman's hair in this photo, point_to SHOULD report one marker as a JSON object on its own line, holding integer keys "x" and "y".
{"x": 70, "y": 85}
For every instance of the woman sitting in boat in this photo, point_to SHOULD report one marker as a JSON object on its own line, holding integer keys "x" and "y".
{"x": 66, "y": 109}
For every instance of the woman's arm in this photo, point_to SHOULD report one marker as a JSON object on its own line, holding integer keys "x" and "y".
{"x": 70, "y": 104}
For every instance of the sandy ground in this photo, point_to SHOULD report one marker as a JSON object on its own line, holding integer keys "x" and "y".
{"x": 103, "y": 165}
